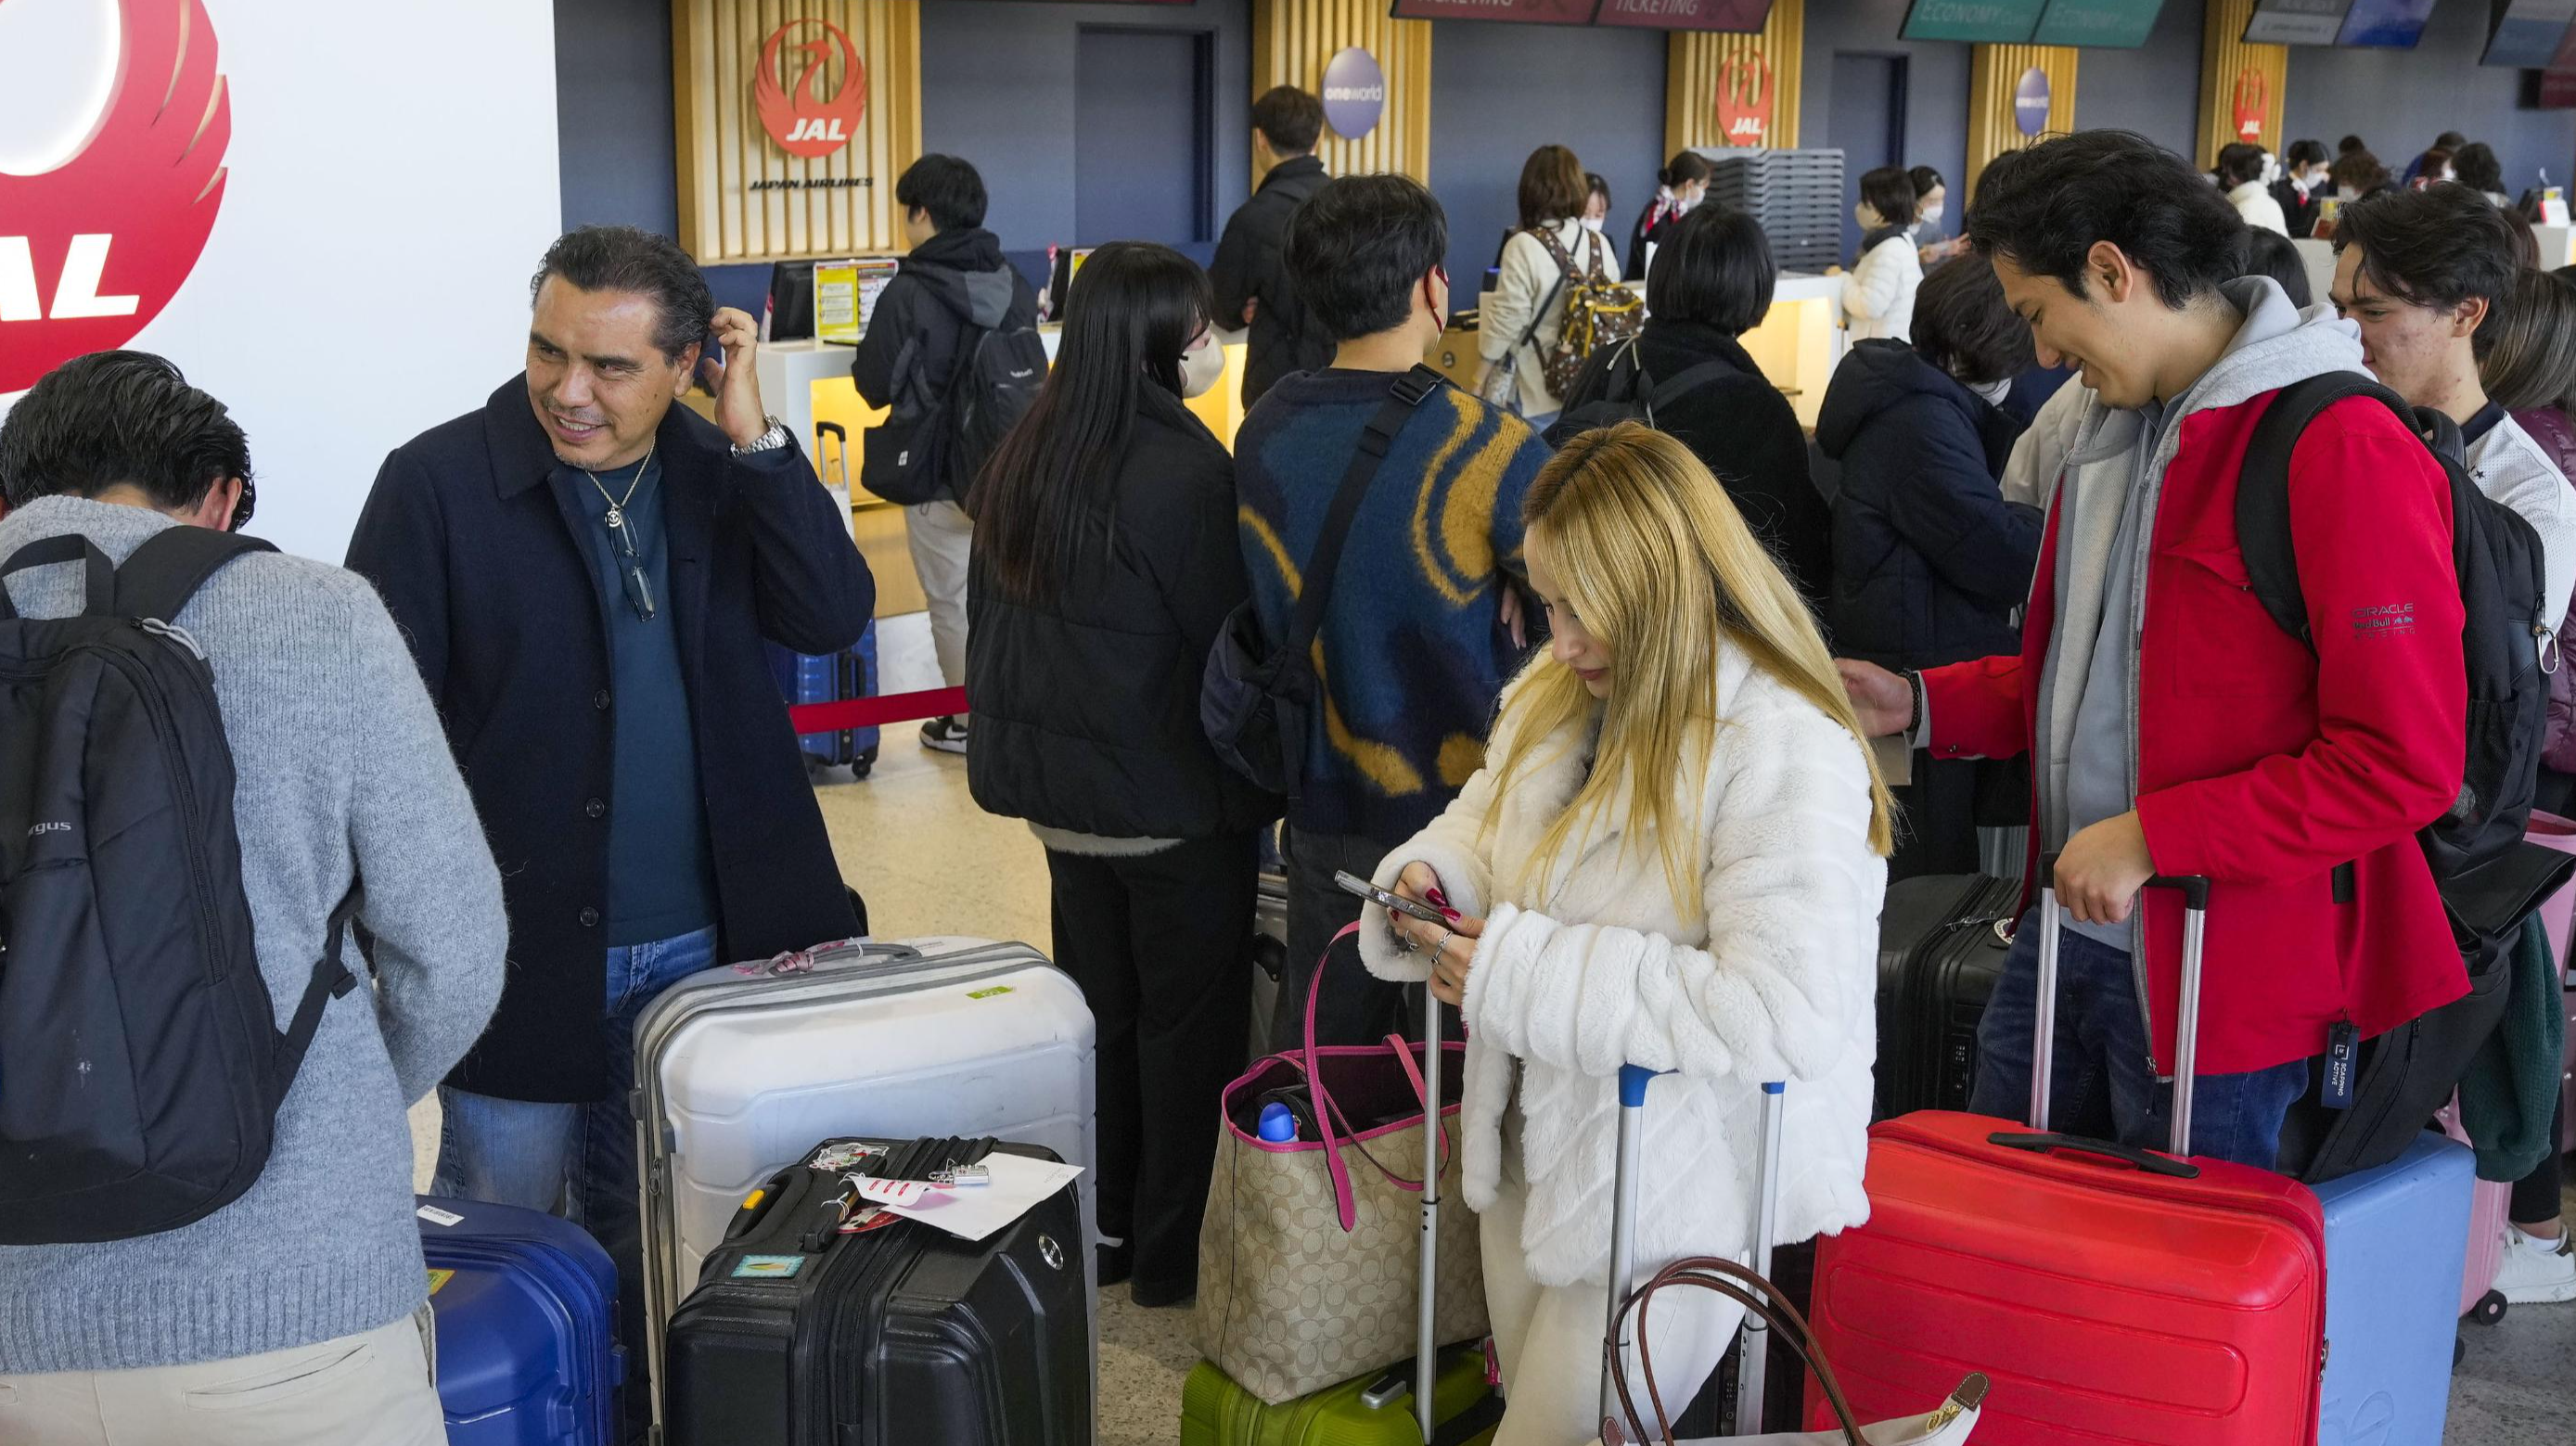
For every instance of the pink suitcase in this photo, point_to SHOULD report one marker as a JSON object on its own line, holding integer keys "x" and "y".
{"x": 2480, "y": 1301}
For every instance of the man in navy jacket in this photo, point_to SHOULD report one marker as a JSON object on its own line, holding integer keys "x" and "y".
{"x": 586, "y": 573}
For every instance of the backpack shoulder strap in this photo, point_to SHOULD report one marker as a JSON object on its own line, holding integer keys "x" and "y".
{"x": 160, "y": 576}
{"x": 1684, "y": 382}
{"x": 1409, "y": 392}
{"x": 2263, "y": 489}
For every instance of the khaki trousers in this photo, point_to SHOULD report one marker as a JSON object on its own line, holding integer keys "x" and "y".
{"x": 363, "y": 1390}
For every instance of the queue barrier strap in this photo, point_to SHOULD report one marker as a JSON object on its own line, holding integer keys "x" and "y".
{"x": 878, "y": 711}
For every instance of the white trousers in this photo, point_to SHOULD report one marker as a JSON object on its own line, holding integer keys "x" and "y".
{"x": 1549, "y": 1338}
{"x": 940, "y": 536}
{"x": 371, "y": 1389}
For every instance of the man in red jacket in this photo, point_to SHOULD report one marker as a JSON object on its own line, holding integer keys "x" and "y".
{"x": 2173, "y": 727}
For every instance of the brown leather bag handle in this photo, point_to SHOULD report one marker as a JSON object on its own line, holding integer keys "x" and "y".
{"x": 1746, "y": 1289}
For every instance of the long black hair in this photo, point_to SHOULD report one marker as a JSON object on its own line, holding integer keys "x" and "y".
{"x": 1133, "y": 309}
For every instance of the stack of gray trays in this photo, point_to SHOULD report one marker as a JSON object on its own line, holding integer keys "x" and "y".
{"x": 1797, "y": 196}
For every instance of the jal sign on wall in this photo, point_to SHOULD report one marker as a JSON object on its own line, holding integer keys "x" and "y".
{"x": 2250, "y": 94}
{"x": 1354, "y": 93}
{"x": 811, "y": 90}
{"x": 2030, "y": 102}
{"x": 1744, "y": 94}
{"x": 112, "y": 226}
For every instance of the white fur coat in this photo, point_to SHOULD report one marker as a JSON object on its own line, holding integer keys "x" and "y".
{"x": 1779, "y": 982}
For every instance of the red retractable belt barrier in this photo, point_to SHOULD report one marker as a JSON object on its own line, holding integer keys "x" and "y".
{"x": 877, "y": 711}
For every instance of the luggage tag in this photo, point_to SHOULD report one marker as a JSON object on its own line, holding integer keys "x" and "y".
{"x": 835, "y": 1159}
{"x": 2343, "y": 1049}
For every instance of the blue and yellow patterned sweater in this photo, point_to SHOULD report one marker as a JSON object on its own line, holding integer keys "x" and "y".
{"x": 1412, "y": 652}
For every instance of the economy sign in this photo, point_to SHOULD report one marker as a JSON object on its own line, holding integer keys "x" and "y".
{"x": 2103, "y": 24}
{"x": 1994, "y": 22}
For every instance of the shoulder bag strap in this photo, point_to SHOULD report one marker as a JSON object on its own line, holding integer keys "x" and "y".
{"x": 1564, "y": 273}
{"x": 2263, "y": 489}
{"x": 160, "y": 576}
{"x": 1409, "y": 392}
{"x": 1660, "y": 395}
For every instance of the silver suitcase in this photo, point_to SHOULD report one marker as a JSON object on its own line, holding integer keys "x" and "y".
{"x": 740, "y": 1074}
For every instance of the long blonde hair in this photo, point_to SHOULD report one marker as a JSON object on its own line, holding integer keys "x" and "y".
{"x": 1661, "y": 567}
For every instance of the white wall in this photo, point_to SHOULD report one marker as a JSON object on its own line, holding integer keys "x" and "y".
{"x": 392, "y": 181}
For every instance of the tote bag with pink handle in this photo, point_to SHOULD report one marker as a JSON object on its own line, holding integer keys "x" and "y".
{"x": 1308, "y": 1252}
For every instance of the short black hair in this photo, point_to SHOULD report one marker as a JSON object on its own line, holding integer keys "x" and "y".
{"x": 1926, "y": 181}
{"x": 2239, "y": 162}
{"x": 2477, "y": 167}
{"x": 2436, "y": 247}
{"x": 1594, "y": 185}
{"x": 1686, "y": 168}
{"x": 1963, "y": 327}
{"x": 2269, "y": 253}
{"x": 947, "y": 187}
{"x": 1358, "y": 247}
{"x": 625, "y": 258}
{"x": 2064, "y": 194}
{"x": 2449, "y": 141}
{"x": 2306, "y": 153}
{"x": 1292, "y": 119}
{"x": 1890, "y": 191}
{"x": 112, "y": 418}
{"x": 2348, "y": 145}
{"x": 1713, "y": 266}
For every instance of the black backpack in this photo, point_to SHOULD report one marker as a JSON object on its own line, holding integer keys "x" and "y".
{"x": 2503, "y": 642}
{"x": 141, "y": 1066}
{"x": 935, "y": 440}
{"x": 1630, "y": 395}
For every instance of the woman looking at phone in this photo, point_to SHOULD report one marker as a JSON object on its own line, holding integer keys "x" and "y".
{"x": 1673, "y": 858}
{"x": 1105, "y": 561}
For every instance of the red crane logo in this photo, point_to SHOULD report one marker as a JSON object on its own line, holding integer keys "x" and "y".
{"x": 92, "y": 250}
{"x": 803, "y": 118}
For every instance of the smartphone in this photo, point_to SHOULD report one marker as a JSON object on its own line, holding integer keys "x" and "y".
{"x": 1353, "y": 884}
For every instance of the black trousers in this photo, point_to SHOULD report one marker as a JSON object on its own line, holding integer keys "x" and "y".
{"x": 1161, "y": 945}
{"x": 1356, "y": 1007}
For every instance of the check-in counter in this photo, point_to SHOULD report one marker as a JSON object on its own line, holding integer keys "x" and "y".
{"x": 1797, "y": 343}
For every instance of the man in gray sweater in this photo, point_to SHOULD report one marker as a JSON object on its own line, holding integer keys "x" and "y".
{"x": 295, "y": 1316}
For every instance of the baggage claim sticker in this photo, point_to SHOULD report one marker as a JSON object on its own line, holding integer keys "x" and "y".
{"x": 769, "y": 1267}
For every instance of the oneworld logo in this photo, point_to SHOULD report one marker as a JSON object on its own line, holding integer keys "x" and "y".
{"x": 94, "y": 247}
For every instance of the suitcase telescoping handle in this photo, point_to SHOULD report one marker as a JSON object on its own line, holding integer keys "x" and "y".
{"x": 1753, "y": 1343}
{"x": 1426, "y": 1344}
{"x": 2195, "y": 932}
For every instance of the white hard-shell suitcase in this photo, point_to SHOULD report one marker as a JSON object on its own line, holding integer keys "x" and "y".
{"x": 739, "y": 1074}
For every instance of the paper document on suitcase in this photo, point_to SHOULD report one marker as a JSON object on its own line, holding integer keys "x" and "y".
{"x": 1014, "y": 1187}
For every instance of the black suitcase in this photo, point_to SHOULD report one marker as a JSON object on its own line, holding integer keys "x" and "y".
{"x": 899, "y": 1335}
{"x": 1941, "y": 946}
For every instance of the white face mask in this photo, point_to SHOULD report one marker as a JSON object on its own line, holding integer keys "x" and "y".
{"x": 1202, "y": 367}
{"x": 1592, "y": 224}
{"x": 1932, "y": 216}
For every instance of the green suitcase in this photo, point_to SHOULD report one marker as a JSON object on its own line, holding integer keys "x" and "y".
{"x": 1217, "y": 1412}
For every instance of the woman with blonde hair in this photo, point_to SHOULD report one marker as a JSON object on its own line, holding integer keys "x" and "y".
{"x": 1673, "y": 857}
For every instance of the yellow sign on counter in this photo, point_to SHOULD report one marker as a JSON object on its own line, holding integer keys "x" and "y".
{"x": 845, "y": 296}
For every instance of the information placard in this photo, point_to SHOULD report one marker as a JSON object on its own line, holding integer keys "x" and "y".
{"x": 2296, "y": 22}
{"x": 1741, "y": 17}
{"x": 2101, "y": 24}
{"x": 1990, "y": 22}
{"x": 2527, "y": 32}
{"x": 2385, "y": 24}
{"x": 1523, "y": 12}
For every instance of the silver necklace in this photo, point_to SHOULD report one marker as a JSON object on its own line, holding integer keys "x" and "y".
{"x": 639, "y": 586}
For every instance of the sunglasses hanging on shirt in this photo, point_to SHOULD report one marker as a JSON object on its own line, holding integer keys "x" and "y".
{"x": 630, "y": 556}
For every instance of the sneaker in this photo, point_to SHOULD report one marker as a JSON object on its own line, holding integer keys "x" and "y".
{"x": 948, "y": 734}
{"x": 2536, "y": 1271}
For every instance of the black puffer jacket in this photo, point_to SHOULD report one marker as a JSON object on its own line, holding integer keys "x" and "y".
{"x": 1929, "y": 560}
{"x": 1744, "y": 429}
{"x": 1087, "y": 704}
{"x": 1250, "y": 268}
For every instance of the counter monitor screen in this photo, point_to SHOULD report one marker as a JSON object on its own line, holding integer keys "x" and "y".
{"x": 2102, "y": 24}
{"x": 2385, "y": 24}
{"x": 2296, "y": 22}
{"x": 2528, "y": 32}
{"x": 1987, "y": 22}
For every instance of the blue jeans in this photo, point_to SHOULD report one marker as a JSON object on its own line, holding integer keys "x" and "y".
{"x": 2104, "y": 1080}
{"x": 577, "y": 1161}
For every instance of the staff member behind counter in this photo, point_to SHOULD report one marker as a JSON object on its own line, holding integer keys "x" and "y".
{"x": 586, "y": 573}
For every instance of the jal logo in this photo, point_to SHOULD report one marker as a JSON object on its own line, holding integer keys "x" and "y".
{"x": 818, "y": 113}
{"x": 97, "y": 239}
{"x": 1744, "y": 98}
{"x": 2251, "y": 92}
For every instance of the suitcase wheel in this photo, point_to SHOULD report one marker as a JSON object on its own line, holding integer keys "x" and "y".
{"x": 2459, "y": 1351}
{"x": 2489, "y": 1309}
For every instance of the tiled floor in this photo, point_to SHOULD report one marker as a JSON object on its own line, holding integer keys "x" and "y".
{"x": 930, "y": 862}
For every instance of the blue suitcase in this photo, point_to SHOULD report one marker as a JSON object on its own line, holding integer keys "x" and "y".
{"x": 803, "y": 678}
{"x": 527, "y": 1326}
{"x": 2396, "y": 1246}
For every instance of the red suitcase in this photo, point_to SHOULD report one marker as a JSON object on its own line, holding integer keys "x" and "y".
{"x": 2113, "y": 1296}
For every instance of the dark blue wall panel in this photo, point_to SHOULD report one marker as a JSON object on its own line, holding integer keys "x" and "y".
{"x": 1936, "y": 100}
{"x": 1499, "y": 92}
{"x": 613, "y": 114}
{"x": 2153, "y": 90}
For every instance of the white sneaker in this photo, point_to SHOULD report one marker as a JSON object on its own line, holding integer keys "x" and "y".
{"x": 2536, "y": 1271}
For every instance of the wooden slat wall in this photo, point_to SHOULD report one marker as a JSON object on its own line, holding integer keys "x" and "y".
{"x": 1994, "y": 74}
{"x": 715, "y": 52}
{"x": 1292, "y": 41}
{"x": 1697, "y": 59}
{"x": 2224, "y": 56}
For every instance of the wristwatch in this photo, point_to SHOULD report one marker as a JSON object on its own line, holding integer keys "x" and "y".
{"x": 769, "y": 441}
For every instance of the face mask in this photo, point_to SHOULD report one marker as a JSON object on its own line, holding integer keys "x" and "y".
{"x": 1202, "y": 367}
{"x": 1592, "y": 224}
{"x": 1867, "y": 215}
{"x": 1933, "y": 216}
